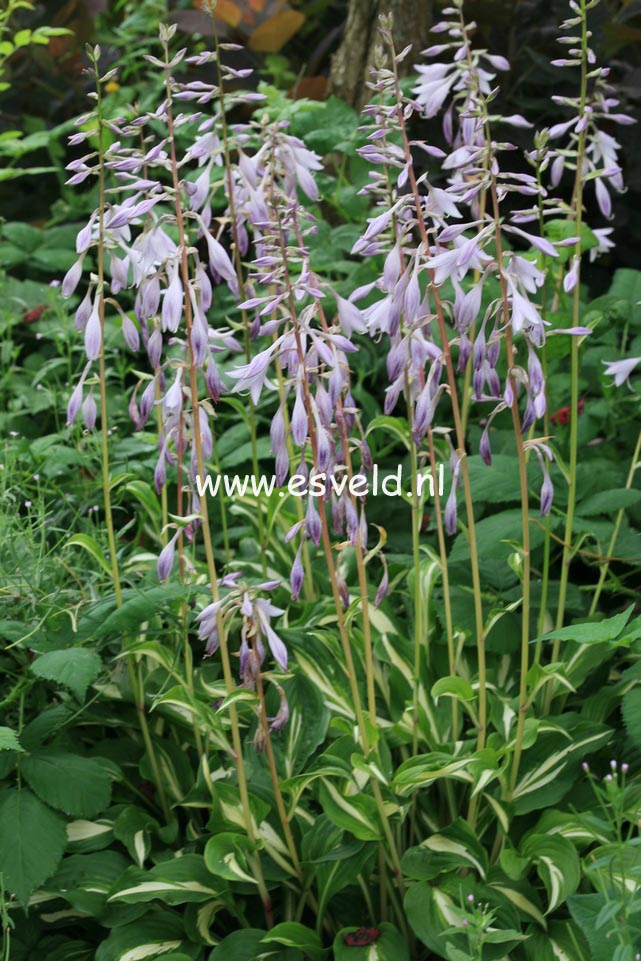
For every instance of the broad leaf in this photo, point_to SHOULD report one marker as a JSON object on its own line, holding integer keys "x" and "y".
{"x": 557, "y": 864}
{"x": 79, "y": 786}
{"x": 9, "y": 740}
{"x": 294, "y": 935}
{"x": 74, "y": 668}
{"x": 32, "y": 841}
{"x": 386, "y": 944}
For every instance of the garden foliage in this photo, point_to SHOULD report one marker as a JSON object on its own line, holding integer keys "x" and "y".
{"x": 260, "y": 725}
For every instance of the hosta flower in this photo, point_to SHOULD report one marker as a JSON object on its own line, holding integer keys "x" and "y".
{"x": 621, "y": 369}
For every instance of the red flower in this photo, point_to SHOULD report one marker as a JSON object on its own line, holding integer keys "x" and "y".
{"x": 362, "y": 937}
{"x": 562, "y": 416}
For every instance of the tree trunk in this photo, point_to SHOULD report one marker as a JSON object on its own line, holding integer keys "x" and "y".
{"x": 350, "y": 66}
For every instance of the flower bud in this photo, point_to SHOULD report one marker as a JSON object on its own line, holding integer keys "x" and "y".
{"x": 89, "y": 412}
{"x": 166, "y": 559}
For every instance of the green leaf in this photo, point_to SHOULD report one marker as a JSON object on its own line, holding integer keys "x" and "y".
{"x": 22, "y": 38}
{"x": 546, "y": 773}
{"x": 32, "y": 842}
{"x": 307, "y": 726}
{"x": 133, "y": 827}
{"x": 74, "y": 668}
{"x": 563, "y": 941}
{"x": 335, "y": 863}
{"x": 456, "y": 687}
{"x": 331, "y": 126}
{"x": 609, "y": 502}
{"x": 556, "y": 230}
{"x": 357, "y": 813}
{"x": 139, "y": 607}
{"x": 585, "y": 909}
{"x": 145, "y": 938}
{"x": 627, "y": 286}
{"x": 557, "y": 864}
{"x": 425, "y": 768}
{"x": 388, "y": 946}
{"x": 243, "y": 945}
{"x": 79, "y": 786}
{"x": 391, "y": 425}
{"x": 226, "y": 857}
{"x": 494, "y": 483}
{"x": 495, "y": 541}
{"x": 429, "y": 912}
{"x": 177, "y": 881}
{"x": 92, "y": 547}
{"x": 25, "y": 236}
{"x": 294, "y": 935}
{"x": 9, "y": 740}
{"x": 55, "y": 260}
{"x": 594, "y": 632}
{"x": 456, "y": 846}
{"x": 632, "y": 715}
{"x": 12, "y": 173}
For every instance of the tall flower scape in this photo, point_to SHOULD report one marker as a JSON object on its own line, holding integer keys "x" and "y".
{"x": 199, "y": 253}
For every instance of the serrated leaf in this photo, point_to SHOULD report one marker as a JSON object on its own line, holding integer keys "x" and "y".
{"x": 75, "y": 668}
{"x": 585, "y": 909}
{"x": 494, "y": 483}
{"x": 608, "y": 502}
{"x": 79, "y": 786}
{"x": 627, "y": 286}
{"x": 32, "y": 842}
{"x": 25, "y": 236}
{"x": 140, "y": 606}
{"x": 594, "y": 632}
{"x": 9, "y": 740}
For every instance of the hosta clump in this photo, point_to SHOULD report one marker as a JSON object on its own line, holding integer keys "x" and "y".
{"x": 147, "y": 234}
{"x": 450, "y": 251}
{"x": 385, "y": 763}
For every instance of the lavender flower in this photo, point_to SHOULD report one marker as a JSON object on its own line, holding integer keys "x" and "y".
{"x": 621, "y": 369}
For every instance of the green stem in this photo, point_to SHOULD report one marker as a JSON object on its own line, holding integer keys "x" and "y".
{"x": 273, "y": 773}
{"x": 617, "y": 526}
{"x": 447, "y": 603}
{"x": 137, "y": 685}
{"x": 251, "y": 408}
{"x": 211, "y": 565}
{"x": 525, "y": 512}
{"x": 577, "y": 205}
{"x": 100, "y": 293}
{"x": 460, "y": 436}
{"x": 222, "y": 501}
{"x": 421, "y": 640}
{"x": 331, "y": 569}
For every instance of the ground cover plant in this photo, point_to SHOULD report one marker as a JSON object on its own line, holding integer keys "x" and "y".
{"x": 321, "y": 519}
